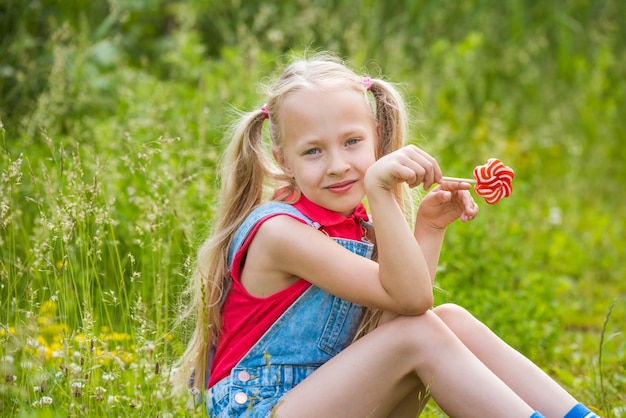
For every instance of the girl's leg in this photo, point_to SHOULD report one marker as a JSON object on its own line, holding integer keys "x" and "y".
{"x": 517, "y": 371}
{"x": 377, "y": 373}
{"x": 413, "y": 404}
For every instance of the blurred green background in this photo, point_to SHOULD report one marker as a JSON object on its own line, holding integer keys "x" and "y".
{"x": 112, "y": 121}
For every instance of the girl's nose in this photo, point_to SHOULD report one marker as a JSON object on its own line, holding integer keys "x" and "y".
{"x": 337, "y": 163}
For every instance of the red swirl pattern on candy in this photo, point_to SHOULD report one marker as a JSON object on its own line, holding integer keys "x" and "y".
{"x": 493, "y": 181}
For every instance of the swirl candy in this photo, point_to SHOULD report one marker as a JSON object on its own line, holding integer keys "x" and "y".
{"x": 493, "y": 181}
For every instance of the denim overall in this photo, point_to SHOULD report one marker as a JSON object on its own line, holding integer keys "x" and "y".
{"x": 315, "y": 328}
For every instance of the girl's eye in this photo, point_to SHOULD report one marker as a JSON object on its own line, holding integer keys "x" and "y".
{"x": 312, "y": 151}
{"x": 352, "y": 141}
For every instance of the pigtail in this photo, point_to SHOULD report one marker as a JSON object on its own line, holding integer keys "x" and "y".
{"x": 391, "y": 117}
{"x": 245, "y": 167}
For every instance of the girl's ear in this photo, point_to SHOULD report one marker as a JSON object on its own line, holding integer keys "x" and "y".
{"x": 280, "y": 159}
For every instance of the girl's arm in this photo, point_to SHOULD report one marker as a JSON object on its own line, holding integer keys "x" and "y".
{"x": 404, "y": 271}
{"x": 284, "y": 250}
{"x": 430, "y": 241}
{"x": 442, "y": 206}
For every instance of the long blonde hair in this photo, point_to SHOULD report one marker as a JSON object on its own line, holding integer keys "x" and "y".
{"x": 248, "y": 173}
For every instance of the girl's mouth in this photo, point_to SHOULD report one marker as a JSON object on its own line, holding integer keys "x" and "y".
{"x": 342, "y": 187}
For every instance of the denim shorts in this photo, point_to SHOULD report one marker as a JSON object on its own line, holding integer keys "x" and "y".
{"x": 253, "y": 392}
{"x": 313, "y": 330}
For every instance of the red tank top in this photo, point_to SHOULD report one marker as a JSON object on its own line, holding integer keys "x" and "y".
{"x": 246, "y": 318}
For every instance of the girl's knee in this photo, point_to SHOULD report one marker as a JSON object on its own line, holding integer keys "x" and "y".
{"x": 451, "y": 312}
{"x": 423, "y": 341}
{"x": 425, "y": 331}
{"x": 459, "y": 319}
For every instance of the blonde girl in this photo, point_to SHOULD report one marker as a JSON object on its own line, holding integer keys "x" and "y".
{"x": 283, "y": 285}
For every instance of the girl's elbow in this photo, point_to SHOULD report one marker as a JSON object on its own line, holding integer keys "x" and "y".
{"x": 424, "y": 306}
{"x": 418, "y": 306}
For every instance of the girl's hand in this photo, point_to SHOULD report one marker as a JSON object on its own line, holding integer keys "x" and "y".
{"x": 446, "y": 203}
{"x": 408, "y": 164}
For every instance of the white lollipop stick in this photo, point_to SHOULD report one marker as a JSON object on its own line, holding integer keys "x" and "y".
{"x": 457, "y": 179}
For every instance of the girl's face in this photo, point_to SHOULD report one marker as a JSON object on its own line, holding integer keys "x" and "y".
{"x": 329, "y": 142}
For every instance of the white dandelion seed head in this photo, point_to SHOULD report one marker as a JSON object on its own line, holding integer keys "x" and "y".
{"x": 108, "y": 377}
{"x": 27, "y": 365}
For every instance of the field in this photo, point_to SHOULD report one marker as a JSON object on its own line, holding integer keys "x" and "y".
{"x": 112, "y": 117}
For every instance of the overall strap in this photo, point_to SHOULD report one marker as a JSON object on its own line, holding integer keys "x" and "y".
{"x": 241, "y": 235}
{"x": 259, "y": 213}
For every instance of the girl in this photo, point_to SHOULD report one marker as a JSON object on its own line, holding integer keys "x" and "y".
{"x": 283, "y": 288}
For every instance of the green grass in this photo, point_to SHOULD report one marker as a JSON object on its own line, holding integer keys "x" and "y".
{"x": 112, "y": 125}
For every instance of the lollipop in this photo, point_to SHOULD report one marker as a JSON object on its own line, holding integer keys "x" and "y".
{"x": 493, "y": 180}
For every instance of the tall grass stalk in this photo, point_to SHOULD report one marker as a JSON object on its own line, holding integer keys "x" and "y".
{"x": 603, "y": 391}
